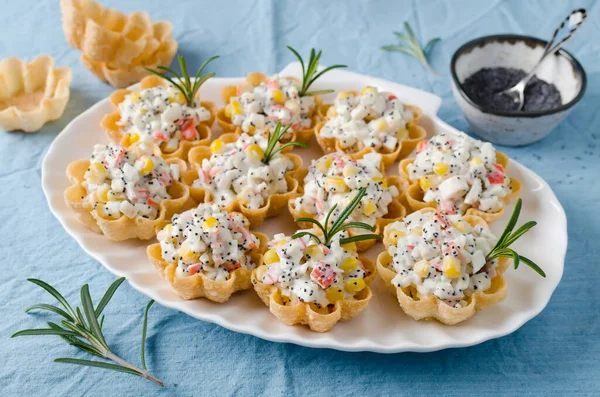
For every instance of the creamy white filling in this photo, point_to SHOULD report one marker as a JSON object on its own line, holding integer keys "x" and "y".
{"x": 161, "y": 115}
{"x": 237, "y": 172}
{"x": 208, "y": 241}
{"x": 336, "y": 178}
{"x": 372, "y": 119}
{"x": 259, "y": 108}
{"x": 305, "y": 270}
{"x": 441, "y": 255}
{"x": 459, "y": 172}
{"x": 130, "y": 181}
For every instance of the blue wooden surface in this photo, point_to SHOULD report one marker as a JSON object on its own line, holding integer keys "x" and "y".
{"x": 554, "y": 354}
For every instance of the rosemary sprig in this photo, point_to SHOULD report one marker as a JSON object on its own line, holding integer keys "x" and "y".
{"x": 274, "y": 139}
{"x": 85, "y": 333}
{"x": 339, "y": 225}
{"x": 184, "y": 83}
{"x": 309, "y": 72}
{"x": 413, "y": 47}
{"x": 501, "y": 249}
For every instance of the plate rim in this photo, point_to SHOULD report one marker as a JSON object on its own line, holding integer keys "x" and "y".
{"x": 407, "y": 346}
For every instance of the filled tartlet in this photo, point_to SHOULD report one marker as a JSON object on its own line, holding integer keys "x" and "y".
{"x": 459, "y": 175}
{"x": 249, "y": 174}
{"x": 447, "y": 266}
{"x": 165, "y": 112}
{"x": 207, "y": 252}
{"x": 370, "y": 121}
{"x": 334, "y": 180}
{"x": 258, "y": 104}
{"x": 316, "y": 277}
{"x": 126, "y": 192}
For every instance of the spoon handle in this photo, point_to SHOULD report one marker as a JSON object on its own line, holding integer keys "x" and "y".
{"x": 551, "y": 47}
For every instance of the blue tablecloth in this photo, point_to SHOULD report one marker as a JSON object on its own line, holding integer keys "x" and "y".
{"x": 557, "y": 353}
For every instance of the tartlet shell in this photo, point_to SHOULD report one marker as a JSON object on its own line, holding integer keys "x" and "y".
{"x": 123, "y": 228}
{"x": 200, "y": 286}
{"x": 255, "y": 78}
{"x": 405, "y": 147}
{"x": 109, "y": 36}
{"x": 433, "y": 308}
{"x": 303, "y": 313}
{"x": 274, "y": 203}
{"x": 109, "y": 121}
{"x": 31, "y": 94}
{"x": 414, "y": 194}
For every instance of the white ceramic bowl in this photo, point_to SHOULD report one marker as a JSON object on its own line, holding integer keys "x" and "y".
{"x": 519, "y": 52}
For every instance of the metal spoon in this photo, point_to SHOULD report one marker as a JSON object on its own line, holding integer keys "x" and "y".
{"x": 573, "y": 22}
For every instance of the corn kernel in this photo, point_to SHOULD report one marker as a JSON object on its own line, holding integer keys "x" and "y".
{"x": 350, "y": 171}
{"x": 394, "y": 236}
{"x": 475, "y": 161}
{"x": 102, "y": 194}
{"x": 336, "y": 184}
{"x": 136, "y": 97}
{"x": 334, "y": 294}
{"x": 417, "y": 231}
{"x": 143, "y": 110}
{"x": 421, "y": 268}
{"x": 440, "y": 168}
{"x": 382, "y": 180}
{"x": 147, "y": 167}
{"x": 271, "y": 256}
{"x": 402, "y": 134}
{"x": 344, "y": 94}
{"x": 323, "y": 164}
{"x": 209, "y": 223}
{"x": 98, "y": 169}
{"x": 369, "y": 208}
{"x": 104, "y": 215}
{"x": 133, "y": 138}
{"x": 236, "y": 108}
{"x": 425, "y": 183}
{"x": 255, "y": 151}
{"x": 216, "y": 147}
{"x": 314, "y": 251}
{"x": 368, "y": 89}
{"x": 112, "y": 196}
{"x": 460, "y": 226}
{"x": 349, "y": 246}
{"x": 380, "y": 125}
{"x": 451, "y": 267}
{"x": 349, "y": 264}
{"x": 354, "y": 285}
{"x": 188, "y": 256}
{"x": 281, "y": 242}
{"x": 278, "y": 96}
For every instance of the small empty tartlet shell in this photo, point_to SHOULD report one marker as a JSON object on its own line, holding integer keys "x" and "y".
{"x": 124, "y": 76}
{"x": 109, "y": 36}
{"x": 274, "y": 203}
{"x": 396, "y": 212}
{"x": 414, "y": 194}
{"x": 432, "y": 307}
{"x": 31, "y": 94}
{"x": 416, "y": 134}
{"x": 200, "y": 286}
{"x": 255, "y": 79}
{"x": 114, "y": 132}
{"x": 123, "y": 228}
{"x": 306, "y": 313}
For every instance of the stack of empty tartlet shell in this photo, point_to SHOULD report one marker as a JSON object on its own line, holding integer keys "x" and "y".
{"x": 114, "y": 46}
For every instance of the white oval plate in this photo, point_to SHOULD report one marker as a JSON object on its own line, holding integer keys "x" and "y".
{"x": 382, "y": 327}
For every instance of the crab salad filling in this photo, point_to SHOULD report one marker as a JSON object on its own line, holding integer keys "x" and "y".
{"x": 236, "y": 171}
{"x": 441, "y": 255}
{"x": 162, "y": 116}
{"x": 372, "y": 119}
{"x": 459, "y": 172}
{"x": 305, "y": 271}
{"x": 130, "y": 182}
{"x": 208, "y": 241}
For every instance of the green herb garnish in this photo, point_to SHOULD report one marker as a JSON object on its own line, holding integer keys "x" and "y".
{"x": 413, "y": 47}
{"x": 184, "y": 82}
{"x": 82, "y": 328}
{"x": 501, "y": 249}
{"x": 339, "y": 225}
{"x": 274, "y": 139}
{"x": 310, "y": 75}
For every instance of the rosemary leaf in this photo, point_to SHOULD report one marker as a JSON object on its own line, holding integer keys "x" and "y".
{"x": 98, "y": 364}
{"x": 108, "y": 296}
{"x": 43, "y": 331}
{"x": 309, "y": 72}
{"x": 412, "y": 47}
{"x": 360, "y": 237}
{"x": 50, "y": 308}
{"x": 52, "y": 291}
{"x": 144, "y": 329}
